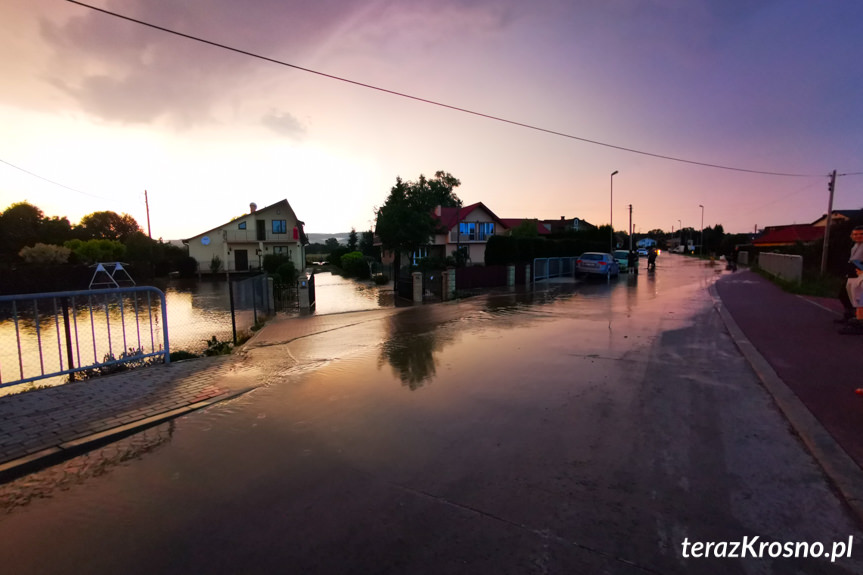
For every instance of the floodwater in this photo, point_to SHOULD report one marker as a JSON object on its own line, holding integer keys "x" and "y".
{"x": 336, "y": 294}
{"x": 197, "y": 312}
{"x": 579, "y": 428}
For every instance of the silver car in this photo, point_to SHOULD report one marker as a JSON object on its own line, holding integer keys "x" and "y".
{"x": 597, "y": 263}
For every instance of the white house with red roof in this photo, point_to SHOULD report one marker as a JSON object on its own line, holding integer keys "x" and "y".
{"x": 467, "y": 228}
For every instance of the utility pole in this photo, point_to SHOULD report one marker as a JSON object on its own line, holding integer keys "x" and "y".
{"x": 147, "y": 204}
{"x": 630, "y": 227}
{"x": 832, "y": 187}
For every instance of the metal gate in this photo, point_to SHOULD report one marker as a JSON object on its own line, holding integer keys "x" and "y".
{"x": 405, "y": 286}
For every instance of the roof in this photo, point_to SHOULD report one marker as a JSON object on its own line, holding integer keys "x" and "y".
{"x": 541, "y": 227}
{"x": 785, "y": 235}
{"x": 849, "y": 214}
{"x": 450, "y": 217}
{"x": 303, "y": 239}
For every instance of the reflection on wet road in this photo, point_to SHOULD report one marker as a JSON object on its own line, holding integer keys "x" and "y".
{"x": 581, "y": 428}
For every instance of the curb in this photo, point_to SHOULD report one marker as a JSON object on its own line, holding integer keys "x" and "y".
{"x": 68, "y": 449}
{"x": 841, "y": 470}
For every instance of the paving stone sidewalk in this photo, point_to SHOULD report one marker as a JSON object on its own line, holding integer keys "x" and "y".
{"x": 59, "y": 421}
{"x": 46, "y": 425}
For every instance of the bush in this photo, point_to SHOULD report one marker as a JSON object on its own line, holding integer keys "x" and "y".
{"x": 45, "y": 254}
{"x": 216, "y": 347}
{"x": 272, "y": 263}
{"x": 335, "y": 257}
{"x": 181, "y": 355}
{"x": 381, "y": 279}
{"x": 216, "y": 264}
{"x": 187, "y": 266}
{"x": 354, "y": 264}
{"x": 287, "y": 272}
{"x": 94, "y": 251}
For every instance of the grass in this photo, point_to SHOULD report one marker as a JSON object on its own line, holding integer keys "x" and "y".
{"x": 812, "y": 283}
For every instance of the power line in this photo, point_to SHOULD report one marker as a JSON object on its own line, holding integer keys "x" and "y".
{"x": 440, "y": 104}
{"x": 52, "y": 181}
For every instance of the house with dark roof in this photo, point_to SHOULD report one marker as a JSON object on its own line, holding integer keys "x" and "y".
{"x": 567, "y": 224}
{"x": 242, "y": 243}
{"x": 838, "y": 216}
{"x": 774, "y": 236}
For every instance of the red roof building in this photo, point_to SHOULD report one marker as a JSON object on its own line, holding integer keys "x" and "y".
{"x": 788, "y": 235}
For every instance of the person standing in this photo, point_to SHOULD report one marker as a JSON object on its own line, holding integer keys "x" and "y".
{"x": 850, "y": 313}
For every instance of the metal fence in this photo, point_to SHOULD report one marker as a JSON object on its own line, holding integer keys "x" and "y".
{"x": 546, "y": 268}
{"x": 47, "y": 335}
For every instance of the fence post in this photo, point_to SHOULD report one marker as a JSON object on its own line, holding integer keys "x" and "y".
{"x": 271, "y": 300}
{"x": 69, "y": 354}
{"x": 418, "y": 287}
{"x": 233, "y": 311}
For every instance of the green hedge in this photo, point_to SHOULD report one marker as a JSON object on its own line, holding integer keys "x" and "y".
{"x": 354, "y": 264}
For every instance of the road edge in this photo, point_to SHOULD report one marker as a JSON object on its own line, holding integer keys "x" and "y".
{"x": 31, "y": 462}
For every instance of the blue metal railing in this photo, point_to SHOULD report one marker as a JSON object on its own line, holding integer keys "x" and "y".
{"x": 52, "y": 333}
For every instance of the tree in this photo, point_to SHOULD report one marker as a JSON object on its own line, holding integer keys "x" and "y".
{"x": 19, "y": 227}
{"x": 367, "y": 243}
{"x": 331, "y": 243}
{"x": 109, "y": 226}
{"x": 352, "y": 240}
{"x": 405, "y": 221}
{"x": 526, "y": 229}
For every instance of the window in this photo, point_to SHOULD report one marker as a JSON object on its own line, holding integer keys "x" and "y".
{"x": 241, "y": 226}
{"x": 281, "y": 251}
{"x": 280, "y": 227}
{"x": 421, "y": 253}
{"x": 467, "y": 229}
{"x": 476, "y": 231}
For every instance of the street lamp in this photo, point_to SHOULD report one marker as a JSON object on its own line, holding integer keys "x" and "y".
{"x": 701, "y": 248}
{"x": 611, "y": 213}
{"x": 680, "y": 230}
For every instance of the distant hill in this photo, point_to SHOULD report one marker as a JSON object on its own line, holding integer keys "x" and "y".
{"x": 321, "y": 238}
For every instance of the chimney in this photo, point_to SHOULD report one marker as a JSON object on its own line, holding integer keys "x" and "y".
{"x": 252, "y": 207}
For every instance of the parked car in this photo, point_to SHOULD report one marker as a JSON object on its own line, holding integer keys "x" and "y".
{"x": 622, "y": 257}
{"x": 642, "y": 252}
{"x": 597, "y": 263}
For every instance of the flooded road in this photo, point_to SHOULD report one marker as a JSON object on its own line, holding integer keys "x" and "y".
{"x": 586, "y": 428}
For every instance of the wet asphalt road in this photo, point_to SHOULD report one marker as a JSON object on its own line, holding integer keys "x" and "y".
{"x": 580, "y": 429}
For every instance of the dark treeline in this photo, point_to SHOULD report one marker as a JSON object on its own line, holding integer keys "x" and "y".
{"x": 48, "y": 253}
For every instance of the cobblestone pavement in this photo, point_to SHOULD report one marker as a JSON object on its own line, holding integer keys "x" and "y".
{"x": 50, "y": 424}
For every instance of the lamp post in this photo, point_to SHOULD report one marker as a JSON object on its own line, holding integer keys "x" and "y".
{"x": 611, "y": 213}
{"x": 680, "y": 230}
{"x": 701, "y": 248}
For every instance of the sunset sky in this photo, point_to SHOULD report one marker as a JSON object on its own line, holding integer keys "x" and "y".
{"x": 105, "y": 108}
